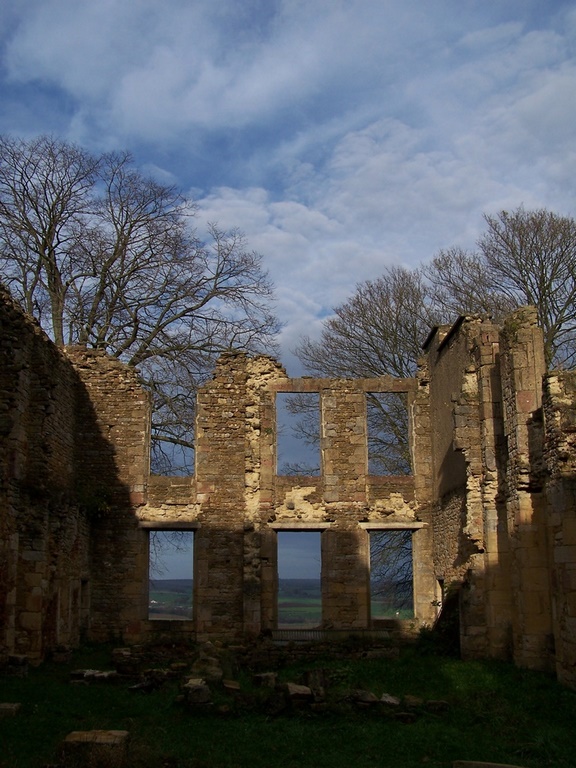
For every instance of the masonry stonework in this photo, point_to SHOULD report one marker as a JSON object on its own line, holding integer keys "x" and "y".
{"x": 490, "y": 501}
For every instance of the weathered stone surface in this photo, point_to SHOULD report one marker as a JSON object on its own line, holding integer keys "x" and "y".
{"x": 360, "y": 696}
{"x": 476, "y": 764}
{"x": 389, "y": 700}
{"x": 490, "y": 502}
{"x": 95, "y": 749}
{"x": 94, "y": 675}
{"x": 197, "y": 692}
{"x": 9, "y": 709}
{"x": 297, "y": 692}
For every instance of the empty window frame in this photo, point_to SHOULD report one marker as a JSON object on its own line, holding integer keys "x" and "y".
{"x": 387, "y": 433}
{"x": 298, "y": 433}
{"x": 391, "y": 575}
{"x": 170, "y": 575}
{"x": 299, "y": 584}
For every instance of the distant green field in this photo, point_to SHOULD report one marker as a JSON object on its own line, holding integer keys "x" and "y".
{"x": 170, "y": 599}
{"x": 299, "y": 603}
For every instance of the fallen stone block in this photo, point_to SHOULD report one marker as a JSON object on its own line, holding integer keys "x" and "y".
{"x": 196, "y": 692}
{"x": 94, "y": 675}
{"x": 95, "y": 749}
{"x": 390, "y": 701}
{"x": 298, "y": 692}
{"x": 9, "y": 709}
{"x": 476, "y": 764}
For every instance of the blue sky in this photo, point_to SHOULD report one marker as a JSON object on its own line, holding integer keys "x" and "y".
{"x": 340, "y": 135}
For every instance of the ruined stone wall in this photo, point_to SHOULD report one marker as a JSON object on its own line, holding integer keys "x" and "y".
{"x": 43, "y": 532}
{"x": 490, "y": 530}
{"x": 74, "y": 464}
{"x": 457, "y": 447}
{"x": 560, "y": 462}
{"x": 112, "y": 448}
{"x": 491, "y": 500}
{"x": 522, "y": 368}
{"x": 238, "y": 503}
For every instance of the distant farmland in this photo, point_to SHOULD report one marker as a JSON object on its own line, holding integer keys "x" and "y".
{"x": 299, "y": 601}
{"x": 170, "y": 599}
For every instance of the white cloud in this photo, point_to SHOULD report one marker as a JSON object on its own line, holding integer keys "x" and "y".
{"x": 340, "y": 135}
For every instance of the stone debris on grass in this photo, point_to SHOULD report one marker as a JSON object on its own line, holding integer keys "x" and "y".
{"x": 95, "y": 749}
{"x": 298, "y": 693}
{"x": 389, "y": 700}
{"x": 94, "y": 675}
{"x": 476, "y": 764}
{"x": 9, "y": 709}
{"x": 196, "y": 692}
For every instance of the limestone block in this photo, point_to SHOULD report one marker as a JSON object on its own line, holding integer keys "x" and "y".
{"x": 297, "y": 692}
{"x": 95, "y": 749}
{"x": 9, "y": 709}
{"x": 197, "y": 692}
{"x": 476, "y": 764}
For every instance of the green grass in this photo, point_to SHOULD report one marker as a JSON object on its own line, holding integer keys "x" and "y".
{"x": 495, "y": 713}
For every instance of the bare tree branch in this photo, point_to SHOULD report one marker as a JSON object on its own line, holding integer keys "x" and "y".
{"x": 106, "y": 257}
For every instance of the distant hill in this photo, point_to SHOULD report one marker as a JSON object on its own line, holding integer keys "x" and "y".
{"x": 303, "y": 587}
{"x": 171, "y": 585}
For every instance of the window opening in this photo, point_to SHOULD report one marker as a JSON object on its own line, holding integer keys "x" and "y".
{"x": 298, "y": 433}
{"x": 173, "y": 412}
{"x": 391, "y": 575}
{"x": 299, "y": 586}
{"x": 171, "y": 574}
{"x": 387, "y": 433}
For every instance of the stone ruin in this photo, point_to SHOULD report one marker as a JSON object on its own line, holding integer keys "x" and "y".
{"x": 490, "y": 501}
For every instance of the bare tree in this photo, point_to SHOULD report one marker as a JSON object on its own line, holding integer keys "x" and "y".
{"x": 378, "y": 331}
{"x": 104, "y": 256}
{"x": 45, "y": 191}
{"x": 460, "y": 283}
{"x": 391, "y": 573}
{"x": 532, "y": 255}
{"x": 524, "y": 257}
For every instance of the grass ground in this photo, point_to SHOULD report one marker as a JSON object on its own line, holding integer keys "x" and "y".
{"x": 495, "y": 713}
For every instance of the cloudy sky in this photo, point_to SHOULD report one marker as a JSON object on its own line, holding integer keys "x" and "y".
{"x": 339, "y": 135}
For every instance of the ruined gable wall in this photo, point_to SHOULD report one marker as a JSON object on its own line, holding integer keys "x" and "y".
{"x": 43, "y": 533}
